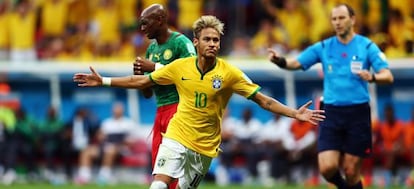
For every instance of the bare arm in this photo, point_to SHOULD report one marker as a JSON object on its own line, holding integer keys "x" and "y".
{"x": 303, "y": 113}
{"x": 282, "y": 62}
{"x": 384, "y": 76}
{"x": 94, "y": 79}
{"x": 140, "y": 66}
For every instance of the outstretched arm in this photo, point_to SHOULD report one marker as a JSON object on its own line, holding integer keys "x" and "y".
{"x": 282, "y": 62}
{"x": 302, "y": 114}
{"x": 94, "y": 79}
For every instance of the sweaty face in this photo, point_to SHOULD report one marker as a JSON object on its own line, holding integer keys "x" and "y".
{"x": 148, "y": 25}
{"x": 341, "y": 21}
{"x": 208, "y": 44}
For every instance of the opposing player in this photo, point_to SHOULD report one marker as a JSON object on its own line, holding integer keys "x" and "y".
{"x": 166, "y": 47}
{"x": 204, "y": 87}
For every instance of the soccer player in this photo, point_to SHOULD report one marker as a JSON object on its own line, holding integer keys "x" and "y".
{"x": 345, "y": 136}
{"x": 204, "y": 87}
{"x": 166, "y": 47}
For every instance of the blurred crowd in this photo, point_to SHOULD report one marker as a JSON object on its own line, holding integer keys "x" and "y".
{"x": 48, "y": 149}
{"x": 108, "y": 30}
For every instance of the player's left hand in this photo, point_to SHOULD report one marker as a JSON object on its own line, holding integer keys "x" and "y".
{"x": 142, "y": 65}
{"x": 312, "y": 116}
{"x": 92, "y": 79}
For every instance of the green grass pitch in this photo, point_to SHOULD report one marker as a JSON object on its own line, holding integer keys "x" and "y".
{"x": 120, "y": 186}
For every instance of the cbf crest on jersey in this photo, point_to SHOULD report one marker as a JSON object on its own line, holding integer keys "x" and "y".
{"x": 217, "y": 81}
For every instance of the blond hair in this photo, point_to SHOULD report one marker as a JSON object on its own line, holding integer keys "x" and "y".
{"x": 207, "y": 21}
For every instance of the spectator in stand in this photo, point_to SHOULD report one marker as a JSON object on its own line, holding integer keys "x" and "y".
{"x": 301, "y": 148}
{"x": 188, "y": 12}
{"x": 105, "y": 27}
{"x": 80, "y": 43}
{"x": 400, "y": 31}
{"x": 227, "y": 146}
{"x": 22, "y": 27}
{"x": 409, "y": 148}
{"x": 240, "y": 47}
{"x": 25, "y": 140}
{"x": 292, "y": 19}
{"x": 272, "y": 145}
{"x": 53, "y": 16}
{"x": 268, "y": 36}
{"x": 127, "y": 13}
{"x": 391, "y": 131}
{"x": 245, "y": 133}
{"x": 7, "y": 144}
{"x": 318, "y": 12}
{"x": 49, "y": 139}
{"x": 76, "y": 136}
{"x": 112, "y": 137}
{"x": 79, "y": 11}
{"x": 4, "y": 31}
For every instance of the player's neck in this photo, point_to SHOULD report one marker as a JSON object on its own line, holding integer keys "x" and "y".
{"x": 163, "y": 38}
{"x": 205, "y": 64}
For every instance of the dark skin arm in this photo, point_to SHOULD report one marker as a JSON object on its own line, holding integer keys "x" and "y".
{"x": 141, "y": 66}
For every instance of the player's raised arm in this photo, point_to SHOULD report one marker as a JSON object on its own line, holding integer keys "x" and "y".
{"x": 302, "y": 114}
{"x": 94, "y": 79}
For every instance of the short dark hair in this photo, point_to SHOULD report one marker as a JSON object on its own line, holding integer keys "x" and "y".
{"x": 351, "y": 11}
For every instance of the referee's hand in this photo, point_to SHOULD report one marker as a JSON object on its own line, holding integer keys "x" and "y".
{"x": 272, "y": 55}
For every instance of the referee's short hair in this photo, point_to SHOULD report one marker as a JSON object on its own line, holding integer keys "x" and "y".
{"x": 351, "y": 11}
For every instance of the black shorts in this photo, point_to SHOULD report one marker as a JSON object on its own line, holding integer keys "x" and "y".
{"x": 346, "y": 129}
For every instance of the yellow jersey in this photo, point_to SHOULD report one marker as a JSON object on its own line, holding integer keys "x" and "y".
{"x": 203, "y": 98}
{"x": 22, "y": 31}
{"x": 4, "y": 30}
{"x": 54, "y": 17}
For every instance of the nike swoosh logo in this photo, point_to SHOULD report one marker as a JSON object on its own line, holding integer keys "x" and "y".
{"x": 182, "y": 78}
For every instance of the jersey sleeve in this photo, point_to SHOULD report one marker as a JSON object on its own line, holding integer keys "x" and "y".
{"x": 310, "y": 56}
{"x": 242, "y": 84}
{"x": 185, "y": 47}
{"x": 165, "y": 75}
{"x": 377, "y": 58}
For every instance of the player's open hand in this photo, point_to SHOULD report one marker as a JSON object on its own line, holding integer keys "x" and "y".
{"x": 142, "y": 65}
{"x": 92, "y": 79}
{"x": 312, "y": 116}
